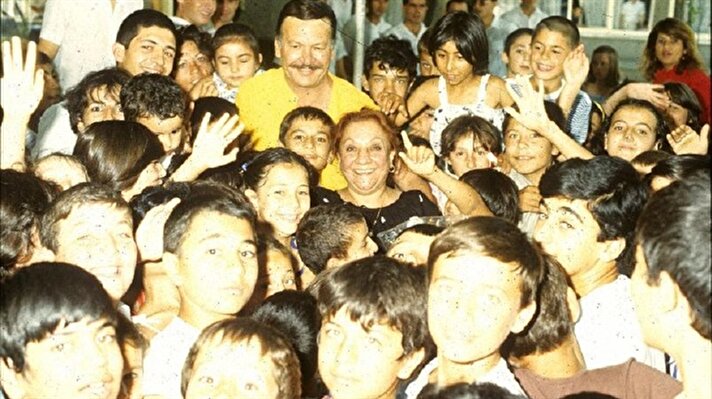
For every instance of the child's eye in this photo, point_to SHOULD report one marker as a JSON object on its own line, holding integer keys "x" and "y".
{"x": 251, "y": 387}
{"x": 206, "y": 379}
{"x": 58, "y": 347}
{"x": 247, "y": 254}
{"x": 642, "y": 132}
{"x": 107, "y": 338}
{"x": 298, "y": 137}
{"x": 95, "y": 108}
{"x": 212, "y": 251}
{"x": 322, "y": 140}
{"x": 332, "y": 332}
{"x": 566, "y": 225}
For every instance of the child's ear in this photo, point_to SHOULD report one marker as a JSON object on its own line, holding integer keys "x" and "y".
{"x": 505, "y": 58}
{"x": 170, "y": 264}
{"x": 612, "y": 249}
{"x": 119, "y": 52}
{"x": 524, "y": 316}
{"x": 252, "y": 196}
{"x": 364, "y": 83}
{"x": 10, "y": 379}
{"x": 410, "y": 363}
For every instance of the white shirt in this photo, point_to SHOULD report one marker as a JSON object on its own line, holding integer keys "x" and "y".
{"x": 85, "y": 31}
{"x": 401, "y": 32}
{"x": 163, "y": 364}
{"x": 520, "y": 20}
{"x": 342, "y": 11}
{"x": 608, "y": 331}
{"x": 498, "y": 375}
{"x": 54, "y": 133}
{"x": 632, "y": 13}
{"x": 371, "y": 32}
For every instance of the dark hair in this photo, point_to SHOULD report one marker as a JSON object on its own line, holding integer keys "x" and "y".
{"x": 674, "y": 234}
{"x": 679, "y": 31}
{"x": 390, "y": 52}
{"x": 613, "y": 76}
{"x": 144, "y": 18}
{"x": 463, "y": 390}
{"x": 551, "y": 323}
{"x": 236, "y": 32}
{"x": 661, "y": 128}
{"x": 613, "y": 191}
{"x": 307, "y": 10}
{"x": 512, "y": 37}
{"x": 274, "y": 345}
{"x": 389, "y": 130}
{"x": 127, "y": 333}
{"x": 679, "y": 167}
{"x": 566, "y": 27}
{"x": 37, "y": 298}
{"x": 294, "y": 313}
{"x": 116, "y": 152}
{"x": 465, "y": 2}
{"x": 650, "y": 157}
{"x": 482, "y": 130}
{"x": 181, "y": 218}
{"x": 682, "y": 95}
{"x": 24, "y": 199}
{"x": 156, "y": 195}
{"x": 378, "y": 290}
{"x": 216, "y": 106}
{"x": 309, "y": 114}
{"x": 228, "y": 174}
{"x": 468, "y": 33}
{"x": 423, "y": 43}
{"x": 70, "y": 199}
{"x": 191, "y": 33}
{"x": 424, "y": 229}
{"x": 78, "y": 97}
{"x": 152, "y": 94}
{"x": 496, "y": 238}
{"x": 325, "y": 233}
{"x": 260, "y": 166}
{"x": 498, "y": 191}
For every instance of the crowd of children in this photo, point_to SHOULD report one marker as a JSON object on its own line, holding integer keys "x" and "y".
{"x": 446, "y": 233}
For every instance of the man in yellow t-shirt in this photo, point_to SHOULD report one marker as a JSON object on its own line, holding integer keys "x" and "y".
{"x": 304, "y": 43}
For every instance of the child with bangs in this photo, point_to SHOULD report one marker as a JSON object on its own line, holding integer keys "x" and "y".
{"x": 373, "y": 331}
{"x": 241, "y": 358}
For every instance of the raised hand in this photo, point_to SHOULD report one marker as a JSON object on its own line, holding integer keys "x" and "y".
{"x": 21, "y": 85}
{"x": 653, "y": 93}
{"x": 419, "y": 159}
{"x": 392, "y": 105}
{"x": 576, "y": 66}
{"x": 212, "y": 141}
{"x": 149, "y": 235}
{"x": 204, "y": 88}
{"x": 530, "y": 102}
{"x": 684, "y": 140}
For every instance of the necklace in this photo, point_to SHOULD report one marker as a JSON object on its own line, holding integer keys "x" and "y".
{"x": 382, "y": 200}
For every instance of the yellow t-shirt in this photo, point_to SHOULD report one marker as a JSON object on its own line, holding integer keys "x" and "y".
{"x": 265, "y": 99}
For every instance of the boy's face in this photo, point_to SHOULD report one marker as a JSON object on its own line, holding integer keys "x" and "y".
{"x": 518, "y": 59}
{"x": 468, "y": 154}
{"x": 169, "y": 131}
{"x": 98, "y": 237}
{"x": 411, "y": 247}
{"x": 355, "y": 363}
{"x": 528, "y": 152}
{"x": 215, "y": 268}
{"x": 360, "y": 244}
{"x": 102, "y": 105}
{"x": 567, "y": 231}
{"x": 549, "y": 50}
{"x": 280, "y": 273}
{"x": 232, "y": 370}
{"x": 473, "y": 305}
{"x": 152, "y": 51}
{"x": 310, "y": 138}
{"x": 427, "y": 65}
{"x": 384, "y": 79}
{"x": 77, "y": 360}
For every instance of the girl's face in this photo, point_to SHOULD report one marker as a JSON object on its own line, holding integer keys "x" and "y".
{"x": 280, "y": 274}
{"x": 427, "y": 65}
{"x": 451, "y": 64}
{"x": 235, "y": 62}
{"x": 192, "y": 66}
{"x": 669, "y": 50}
{"x": 676, "y": 115}
{"x": 549, "y": 50}
{"x": 601, "y": 66}
{"x": 468, "y": 154}
{"x": 282, "y": 198}
{"x": 632, "y": 132}
{"x": 528, "y": 152}
{"x": 366, "y": 156}
{"x": 519, "y": 57}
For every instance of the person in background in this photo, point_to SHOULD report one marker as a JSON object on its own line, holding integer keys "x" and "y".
{"x": 603, "y": 75}
{"x": 527, "y": 15}
{"x": 497, "y": 31}
{"x": 412, "y": 28}
{"x": 193, "y": 12}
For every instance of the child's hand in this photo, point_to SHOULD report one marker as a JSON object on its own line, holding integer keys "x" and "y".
{"x": 530, "y": 199}
{"x": 149, "y": 234}
{"x": 419, "y": 159}
{"x": 21, "y": 85}
{"x": 653, "y": 93}
{"x": 212, "y": 141}
{"x": 532, "y": 113}
{"x": 576, "y": 66}
{"x": 204, "y": 88}
{"x": 684, "y": 140}
{"x": 392, "y": 105}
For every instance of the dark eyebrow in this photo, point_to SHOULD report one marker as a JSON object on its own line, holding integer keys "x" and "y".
{"x": 573, "y": 213}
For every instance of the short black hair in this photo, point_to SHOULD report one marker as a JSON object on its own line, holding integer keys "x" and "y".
{"x": 463, "y": 390}
{"x": 144, "y": 18}
{"x": 674, "y": 233}
{"x": 613, "y": 191}
{"x": 307, "y": 113}
{"x": 37, "y": 298}
{"x": 468, "y": 33}
{"x": 216, "y": 106}
{"x": 306, "y": 10}
{"x": 498, "y": 191}
{"x": 113, "y": 79}
{"x": 258, "y": 168}
{"x": 661, "y": 127}
{"x": 391, "y": 52}
{"x": 152, "y": 94}
{"x": 679, "y": 167}
{"x": 683, "y": 95}
{"x": 324, "y": 232}
{"x": 236, "y": 31}
{"x": 516, "y": 34}
{"x": 563, "y": 25}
